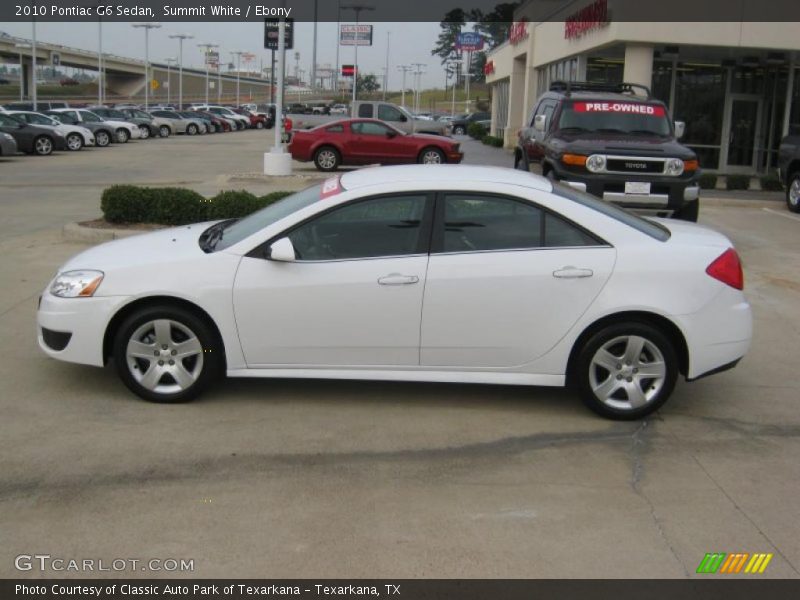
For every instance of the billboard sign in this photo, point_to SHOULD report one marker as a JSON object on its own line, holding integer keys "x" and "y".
{"x": 355, "y": 35}
{"x": 469, "y": 41}
{"x": 271, "y": 34}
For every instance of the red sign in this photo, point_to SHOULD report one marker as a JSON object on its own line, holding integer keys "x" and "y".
{"x": 330, "y": 187}
{"x": 488, "y": 68}
{"x": 348, "y": 70}
{"x": 518, "y": 31}
{"x": 587, "y": 19}
{"x": 650, "y": 110}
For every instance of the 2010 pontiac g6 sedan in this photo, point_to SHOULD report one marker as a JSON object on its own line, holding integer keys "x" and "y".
{"x": 421, "y": 273}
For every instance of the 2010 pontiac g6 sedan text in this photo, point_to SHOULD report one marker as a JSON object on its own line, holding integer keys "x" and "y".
{"x": 420, "y": 273}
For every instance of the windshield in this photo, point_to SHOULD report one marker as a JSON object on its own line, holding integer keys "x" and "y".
{"x": 615, "y": 117}
{"x": 90, "y": 117}
{"x": 9, "y": 121}
{"x": 268, "y": 215}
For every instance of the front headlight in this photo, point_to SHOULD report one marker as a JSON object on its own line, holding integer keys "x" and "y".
{"x": 674, "y": 166}
{"x": 8, "y": 136}
{"x": 76, "y": 284}
{"x": 596, "y": 163}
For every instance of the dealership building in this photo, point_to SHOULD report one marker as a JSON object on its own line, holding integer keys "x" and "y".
{"x": 734, "y": 84}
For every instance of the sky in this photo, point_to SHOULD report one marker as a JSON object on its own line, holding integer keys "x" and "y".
{"x": 409, "y": 43}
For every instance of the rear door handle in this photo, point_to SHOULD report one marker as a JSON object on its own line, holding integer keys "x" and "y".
{"x": 398, "y": 279}
{"x": 572, "y": 273}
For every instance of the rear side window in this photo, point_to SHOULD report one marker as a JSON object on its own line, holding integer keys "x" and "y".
{"x": 654, "y": 230}
{"x": 481, "y": 223}
{"x": 389, "y": 113}
{"x": 335, "y": 129}
{"x": 365, "y": 111}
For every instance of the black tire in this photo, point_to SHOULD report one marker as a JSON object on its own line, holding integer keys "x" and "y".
{"x": 259, "y": 125}
{"x": 793, "y": 192}
{"x": 74, "y": 142}
{"x": 144, "y": 132}
{"x": 431, "y": 156}
{"x": 521, "y": 162}
{"x": 204, "y": 367}
{"x": 191, "y": 129}
{"x": 122, "y": 135}
{"x": 164, "y": 131}
{"x": 327, "y": 158}
{"x": 619, "y": 406}
{"x": 43, "y": 145}
{"x": 689, "y": 211}
{"x": 459, "y": 130}
{"x": 102, "y": 138}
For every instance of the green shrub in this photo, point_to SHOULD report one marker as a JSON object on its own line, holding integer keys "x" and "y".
{"x": 771, "y": 183}
{"x": 492, "y": 140}
{"x": 737, "y": 182}
{"x": 178, "y": 206}
{"x": 476, "y": 131}
{"x": 707, "y": 181}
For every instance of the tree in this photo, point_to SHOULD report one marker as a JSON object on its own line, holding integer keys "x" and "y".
{"x": 368, "y": 84}
{"x": 494, "y": 27}
{"x": 451, "y": 26}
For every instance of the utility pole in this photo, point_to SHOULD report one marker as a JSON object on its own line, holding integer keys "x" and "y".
{"x": 170, "y": 62}
{"x": 338, "y": 44}
{"x": 405, "y": 69}
{"x": 314, "y": 51}
{"x": 358, "y": 9}
{"x": 100, "y": 78}
{"x": 147, "y": 27}
{"x": 180, "y": 37}
{"x": 238, "y": 55}
{"x": 454, "y": 66}
{"x": 386, "y": 68}
{"x": 207, "y": 48}
{"x": 35, "y": 76}
{"x": 418, "y": 72}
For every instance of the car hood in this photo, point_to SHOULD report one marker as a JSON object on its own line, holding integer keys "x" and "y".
{"x": 166, "y": 245}
{"x": 624, "y": 145}
{"x": 428, "y": 137}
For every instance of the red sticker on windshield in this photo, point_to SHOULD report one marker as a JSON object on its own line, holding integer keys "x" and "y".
{"x": 651, "y": 110}
{"x": 331, "y": 187}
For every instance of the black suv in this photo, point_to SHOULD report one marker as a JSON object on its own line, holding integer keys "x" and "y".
{"x": 614, "y": 143}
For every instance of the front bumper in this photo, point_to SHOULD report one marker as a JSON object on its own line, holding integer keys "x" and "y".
{"x": 82, "y": 322}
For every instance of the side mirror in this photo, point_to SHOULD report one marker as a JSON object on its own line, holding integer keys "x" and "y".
{"x": 680, "y": 129}
{"x": 391, "y": 134}
{"x": 540, "y": 123}
{"x": 282, "y": 251}
{"x": 403, "y": 118}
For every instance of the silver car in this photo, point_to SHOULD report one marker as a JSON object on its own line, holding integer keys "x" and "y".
{"x": 180, "y": 124}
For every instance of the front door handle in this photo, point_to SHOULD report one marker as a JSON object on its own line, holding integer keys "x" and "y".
{"x": 572, "y": 273}
{"x": 398, "y": 279}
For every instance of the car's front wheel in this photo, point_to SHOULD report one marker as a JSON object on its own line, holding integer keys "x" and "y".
{"x": 102, "y": 138}
{"x": 327, "y": 159}
{"x": 191, "y": 129}
{"x": 74, "y": 141}
{"x": 164, "y": 131}
{"x": 144, "y": 132}
{"x": 459, "y": 130}
{"x": 793, "y": 193}
{"x": 166, "y": 354}
{"x": 43, "y": 146}
{"x": 431, "y": 156}
{"x": 123, "y": 135}
{"x": 259, "y": 124}
{"x": 626, "y": 371}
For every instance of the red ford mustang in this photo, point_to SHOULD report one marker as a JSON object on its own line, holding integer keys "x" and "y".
{"x": 369, "y": 141}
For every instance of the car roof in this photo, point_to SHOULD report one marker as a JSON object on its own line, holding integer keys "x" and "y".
{"x": 458, "y": 175}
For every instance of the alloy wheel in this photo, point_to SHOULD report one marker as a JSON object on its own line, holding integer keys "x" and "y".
{"x": 432, "y": 157}
{"x": 327, "y": 159}
{"x": 102, "y": 139}
{"x": 74, "y": 141}
{"x": 43, "y": 146}
{"x": 794, "y": 195}
{"x": 627, "y": 372}
{"x": 145, "y": 132}
{"x": 122, "y": 136}
{"x": 164, "y": 356}
{"x": 163, "y": 131}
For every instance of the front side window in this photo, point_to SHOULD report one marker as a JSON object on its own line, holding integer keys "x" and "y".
{"x": 9, "y": 121}
{"x": 385, "y": 226}
{"x": 335, "y": 129}
{"x": 72, "y": 115}
{"x": 90, "y": 117}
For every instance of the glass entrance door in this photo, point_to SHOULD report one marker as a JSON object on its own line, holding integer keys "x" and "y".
{"x": 744, "y": 133}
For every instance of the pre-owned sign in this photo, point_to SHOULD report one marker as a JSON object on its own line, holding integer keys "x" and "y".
{"x": 518, "y": 32}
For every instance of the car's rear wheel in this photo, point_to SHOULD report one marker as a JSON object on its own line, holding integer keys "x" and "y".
{"x": 191, "y": 129}
{"x": 166, "y": 354}
{"x": 123, "y": 135}
{"x": 164, "y": 131}
{"x": 459, "y": 130}
{"x": 626, "y": 371}
{"x": 431, "y": 156}
{"x": 74, "y": 141}
{"x": 793, "y": 193}
{"x": 259, "y": 125}
{"x": 102, "y": 138}
{"x": 43, "y": 146}
{"x": 327, "y": 159}
{"x": 689, "y": 212}
{"x": 144, "y": 132}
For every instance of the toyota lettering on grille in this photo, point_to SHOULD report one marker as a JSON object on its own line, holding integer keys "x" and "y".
{"x": 635, "y": 165}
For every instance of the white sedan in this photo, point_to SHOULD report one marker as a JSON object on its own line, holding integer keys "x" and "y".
{"x": 415, "y": 273}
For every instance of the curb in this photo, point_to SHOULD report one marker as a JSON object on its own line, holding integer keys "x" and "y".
{"x": 735, "y": 202}
{"x": 75, "y": 232}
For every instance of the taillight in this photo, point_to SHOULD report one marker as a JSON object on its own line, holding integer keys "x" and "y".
{"x": 728, "y": 269}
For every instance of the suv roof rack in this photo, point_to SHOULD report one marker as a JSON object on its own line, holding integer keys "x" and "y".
{"x": 567, "y": 87}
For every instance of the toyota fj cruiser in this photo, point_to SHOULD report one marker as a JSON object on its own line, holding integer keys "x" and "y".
{"x": 618, "y": 145}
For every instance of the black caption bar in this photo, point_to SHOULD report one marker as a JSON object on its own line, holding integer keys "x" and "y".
{"x": 394, "y": 10}
{"x": 733, "y": 588}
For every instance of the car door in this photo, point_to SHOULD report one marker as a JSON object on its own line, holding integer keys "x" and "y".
{"x": 352, "y": 297}
{"x": 506, "y": 280}
{"x": 371, "y": 142}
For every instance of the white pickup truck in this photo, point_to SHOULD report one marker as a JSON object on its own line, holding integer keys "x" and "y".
{"x": 396, "y": 116}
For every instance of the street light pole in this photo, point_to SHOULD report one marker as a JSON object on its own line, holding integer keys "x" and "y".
{"x": 418, "y": 72}
{"x": 147, "y": 27}
{"x": 207, "y": 48}
{"x": 180, "y": 37}
{"x": 386, "y": 68}
{"x": 170, "y": 61}
{"x": 35, "y": 77}
{"x": 405, "y": 69}
{"x": 20, "y": 47}
{"x": 357, "y": 8}
{"x": 455, "y": 65}
{"x": 238, "y": 55}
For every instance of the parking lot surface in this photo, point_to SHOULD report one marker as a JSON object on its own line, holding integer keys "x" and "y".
{"x": 347, "y": 479}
